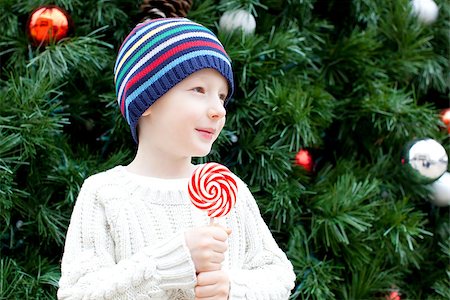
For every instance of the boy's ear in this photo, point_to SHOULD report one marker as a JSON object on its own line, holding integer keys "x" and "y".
{"x": 147, "y": 112}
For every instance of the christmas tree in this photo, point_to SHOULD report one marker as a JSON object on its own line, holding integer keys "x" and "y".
{"x": 329, "y": 96}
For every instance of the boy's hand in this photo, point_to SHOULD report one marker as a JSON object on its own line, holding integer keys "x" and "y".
{"x": 207, "y": 245}
{"x": 213, "y": 285}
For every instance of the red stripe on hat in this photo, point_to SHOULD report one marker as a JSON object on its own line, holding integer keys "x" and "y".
{"x": 162, "y": 59}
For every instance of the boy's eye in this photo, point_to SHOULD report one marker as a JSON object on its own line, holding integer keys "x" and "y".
{"x": 222, "y": 98}
{"x": 199, "y": 90}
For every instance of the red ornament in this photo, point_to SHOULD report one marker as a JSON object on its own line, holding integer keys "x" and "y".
{"x": 48, "y": 23}
{"x": 304, "y": 159}
{"x": 445, "y": 117}
{"x": 394, "y": 295}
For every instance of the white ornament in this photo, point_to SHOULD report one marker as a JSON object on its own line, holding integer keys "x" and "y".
{"x": 238, "y": 20}
{"x": 426, "y": 10}
{"x": 426, "y": 160}
{"x": 440, "y": 190}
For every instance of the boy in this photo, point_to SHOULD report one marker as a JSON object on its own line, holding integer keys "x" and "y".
{"x": 134, "y": 233}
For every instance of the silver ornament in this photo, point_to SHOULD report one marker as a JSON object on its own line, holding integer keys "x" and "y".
{"x": 19, "y": 224}
{"x": 426, "y": 11}
{"x": 426, "y": 160}
{"x": 239, "y": 19}
{"x": 440, "y": 190}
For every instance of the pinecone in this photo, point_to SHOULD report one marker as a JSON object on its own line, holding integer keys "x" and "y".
{"x": 153, "y": 9}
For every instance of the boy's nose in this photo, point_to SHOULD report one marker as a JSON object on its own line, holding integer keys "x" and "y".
{"x": 217, "y": 110}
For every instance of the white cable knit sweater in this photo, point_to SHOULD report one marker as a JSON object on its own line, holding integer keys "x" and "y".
{"x": 126, "y": 241}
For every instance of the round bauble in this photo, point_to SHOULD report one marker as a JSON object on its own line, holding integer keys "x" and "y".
{"x": 440, "y": 191}
{"x": 394, "y": 295}
{"x": 425, "y": 160}
{"x": 445, "y": 118}
{"x": 239, "y": 19}
{"x": 48, "y": 24}
{"x": 304, "y": 159}
{"x": 426, "y": 10}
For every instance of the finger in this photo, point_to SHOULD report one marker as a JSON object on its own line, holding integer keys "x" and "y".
{"x": 219, "y": 247}
{"x": 204, "y": 291}
{"x": 211, "y": 278}
{"x": 219, "y": 232}
{"x": 213, "y": 291}
{"x": 217, "y": 257}
{"x": 206, "y": 248}
{"x": 206, "y": 278}
{"x": 212, "y": 285}
{"x": 212, "y": 258}
{"x": 227, "y": 229}
{"x": 208, "y": 267}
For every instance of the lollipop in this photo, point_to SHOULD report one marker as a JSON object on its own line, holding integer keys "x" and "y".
{"x": 212, "y": 188}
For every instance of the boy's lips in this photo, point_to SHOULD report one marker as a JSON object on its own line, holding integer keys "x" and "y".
{"x": 206, "y": 133}
{"x": 206, "y": 130}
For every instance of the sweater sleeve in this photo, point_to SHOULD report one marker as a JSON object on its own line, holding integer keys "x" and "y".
{"x": 89, "y": 269}
{"x": 266, "y": 274}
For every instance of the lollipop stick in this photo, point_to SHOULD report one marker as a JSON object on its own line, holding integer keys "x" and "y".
{"x": 211, "y": 220}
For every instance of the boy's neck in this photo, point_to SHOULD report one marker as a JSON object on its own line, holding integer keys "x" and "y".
{"x": 160, "y": 166}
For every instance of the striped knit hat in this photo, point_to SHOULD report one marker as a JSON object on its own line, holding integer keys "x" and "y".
{"x": 157, "y": 55}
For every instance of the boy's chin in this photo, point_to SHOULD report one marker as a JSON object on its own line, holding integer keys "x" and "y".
{"x": 201, "y": 153}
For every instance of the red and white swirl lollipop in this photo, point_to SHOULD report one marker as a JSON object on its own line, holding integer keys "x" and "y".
{"x": 213, "y": 188}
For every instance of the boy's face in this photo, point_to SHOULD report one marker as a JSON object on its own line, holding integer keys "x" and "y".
{"x": 188, "y": 118}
